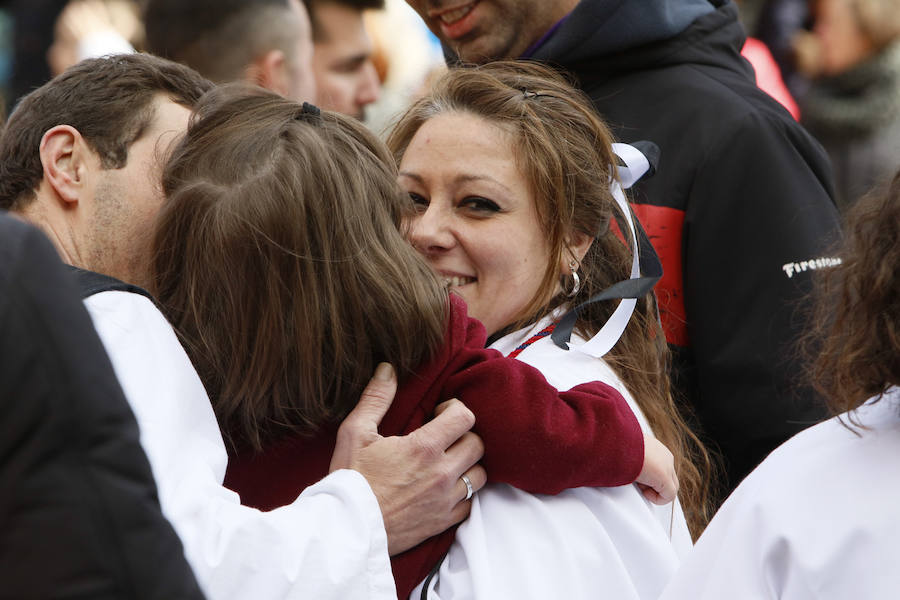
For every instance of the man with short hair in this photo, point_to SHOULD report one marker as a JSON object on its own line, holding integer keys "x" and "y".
{"x": 266, "y": 42}
{"x": 740, "y": 209}
{"x": 342, "y": 55}
{"x": 81, "y": 158}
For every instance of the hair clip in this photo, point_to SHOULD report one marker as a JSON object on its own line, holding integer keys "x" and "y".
{"x": 309, "y": 113}
{"x": 528, "y": 94}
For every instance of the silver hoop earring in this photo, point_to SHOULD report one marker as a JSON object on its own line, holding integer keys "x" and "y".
{"x": 576, "y": 280}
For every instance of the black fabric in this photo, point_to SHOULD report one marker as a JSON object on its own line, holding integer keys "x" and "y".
{"x": 618, "y": 24}
{"x": 755, "y": 192}
{"x": 79, "y": 514}
{"x": 91, "y": 282}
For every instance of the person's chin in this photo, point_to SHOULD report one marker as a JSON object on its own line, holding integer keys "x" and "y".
{"x": 478, "y": 50}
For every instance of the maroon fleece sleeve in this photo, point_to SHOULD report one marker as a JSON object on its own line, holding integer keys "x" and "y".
{"x": 536, "y": 438}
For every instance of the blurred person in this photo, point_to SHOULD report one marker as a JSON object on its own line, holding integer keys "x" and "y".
{"x": 766, "y": 70}
{"x": 81, "y": 517}
{"x": 265, "y": 42}
{"x": 6, "y": 54}
{"x": 81, "y": 158}
{"x": 31, "y": 36}
{"x": 818, "y": 518}
{"x": 778, "y": 23}
{"x": 94, "y": 28}
{"x": 407, "y": 58}
{"x": 852, "y": 104}
{"x": 346, "y": 79}
{"x": 735, "y": 169}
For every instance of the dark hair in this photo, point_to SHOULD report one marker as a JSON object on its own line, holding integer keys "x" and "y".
{"x": 564, "y": 150}
{"x": 219, "y": 38}
{"x": 279, "y": 260}
{"x": 853, "y": 345}
{"x": 109, "y": 102}
{"x": 318, "y": 31}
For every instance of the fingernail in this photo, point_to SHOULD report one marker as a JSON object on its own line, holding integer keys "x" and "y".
{"x": 384, "y": 372}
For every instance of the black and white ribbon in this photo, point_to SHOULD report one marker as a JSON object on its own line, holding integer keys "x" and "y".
{"x": 646, "y": 269}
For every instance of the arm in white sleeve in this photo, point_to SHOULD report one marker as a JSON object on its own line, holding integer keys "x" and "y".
{"x": 329, "y": 543}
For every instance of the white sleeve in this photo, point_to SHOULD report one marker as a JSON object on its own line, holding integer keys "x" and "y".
{"x": 329, "y": 543}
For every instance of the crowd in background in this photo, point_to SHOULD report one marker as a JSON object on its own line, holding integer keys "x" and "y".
{"x": 834, "y": 64}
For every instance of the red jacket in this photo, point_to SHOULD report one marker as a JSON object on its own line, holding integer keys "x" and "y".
{"x": 535, "y": 438}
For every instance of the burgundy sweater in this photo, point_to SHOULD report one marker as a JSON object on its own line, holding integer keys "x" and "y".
{"x": 535, "y": 438}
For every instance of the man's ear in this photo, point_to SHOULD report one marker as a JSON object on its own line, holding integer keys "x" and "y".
{"x": 65, "y": 159}
{"x": 270, "y": 71}
{"x": 577, "y": 245}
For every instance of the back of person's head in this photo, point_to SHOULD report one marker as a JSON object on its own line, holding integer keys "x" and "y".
{"x": 319, "y": 31}
{"x": 854, "y": 342}
{"x": 222, "y": 38}
{"x": 108, "y": 100}
{"x": 279, "y": 260}
{"x": 564, "y": 150}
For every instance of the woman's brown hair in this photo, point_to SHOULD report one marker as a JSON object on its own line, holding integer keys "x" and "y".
{"x": 853, "y": 344}
{"x": 279, "y": 260}
{"x": 564, "y": 150}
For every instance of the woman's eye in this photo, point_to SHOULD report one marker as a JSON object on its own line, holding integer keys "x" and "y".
{"x": 420, "y": 202}
{"x": 479, "y": 204}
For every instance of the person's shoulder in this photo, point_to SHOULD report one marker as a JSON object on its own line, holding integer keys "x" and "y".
{"x": 123, "y": 300}
{"x": 126, "y": 311}
{"x": 849, "y": 451}
{"x": 820, "y": 510}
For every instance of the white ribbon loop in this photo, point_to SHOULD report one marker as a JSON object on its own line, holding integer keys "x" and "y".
{"x": 636, "y": 165}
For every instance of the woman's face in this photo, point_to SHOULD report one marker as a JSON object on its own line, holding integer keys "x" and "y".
{"x": 476, "y": 225}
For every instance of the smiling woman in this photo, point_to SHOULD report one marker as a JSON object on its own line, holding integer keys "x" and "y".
{"x": 513, "y": 176}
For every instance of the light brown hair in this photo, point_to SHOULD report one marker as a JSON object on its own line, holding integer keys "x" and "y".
{"x": 280, "y": 262}
{"x": 853, "y": 345}
{"x": 564, "y": 150}
{"x": 108, "y": 100}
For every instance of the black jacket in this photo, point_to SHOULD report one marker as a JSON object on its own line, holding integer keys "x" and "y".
{"x": 79, "y": 515}
{"x": 740, "y": 205}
